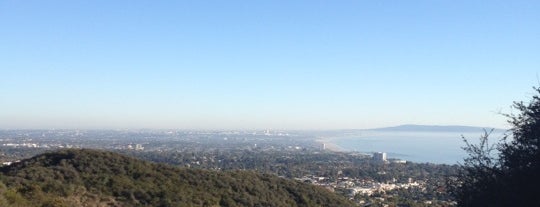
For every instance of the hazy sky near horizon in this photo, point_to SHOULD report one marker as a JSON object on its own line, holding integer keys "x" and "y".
{"x": 265, "y": 64}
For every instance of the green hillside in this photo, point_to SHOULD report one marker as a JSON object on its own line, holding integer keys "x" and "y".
{"x": 99, "y": 178}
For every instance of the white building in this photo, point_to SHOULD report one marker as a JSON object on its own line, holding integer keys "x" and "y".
{"x": 379, "y": 156}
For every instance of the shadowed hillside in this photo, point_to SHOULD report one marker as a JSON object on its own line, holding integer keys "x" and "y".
{"x": 100, "y": 178}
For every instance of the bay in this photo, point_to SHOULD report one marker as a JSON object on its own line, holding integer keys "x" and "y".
{"x": 415, "y": 146}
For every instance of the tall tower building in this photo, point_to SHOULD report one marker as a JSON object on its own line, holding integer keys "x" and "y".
{"x": 379, "y": 156}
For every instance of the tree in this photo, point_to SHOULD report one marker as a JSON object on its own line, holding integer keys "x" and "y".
{"x": 511, "y": 176}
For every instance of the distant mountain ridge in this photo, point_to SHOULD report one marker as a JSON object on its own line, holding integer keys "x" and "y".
{"x": 436, "y": 128}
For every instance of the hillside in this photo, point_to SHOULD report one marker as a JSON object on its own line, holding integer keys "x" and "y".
{"x": 99, "y": 178}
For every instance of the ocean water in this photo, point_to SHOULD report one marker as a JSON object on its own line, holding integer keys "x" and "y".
{"x": 432, "y": 147}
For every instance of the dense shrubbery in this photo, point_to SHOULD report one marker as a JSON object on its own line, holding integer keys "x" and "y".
{"x": 74, "y": 177}
{"x": 510, "y": 178}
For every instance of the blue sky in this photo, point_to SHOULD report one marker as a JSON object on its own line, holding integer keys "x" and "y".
{"x": 265, "y": 64}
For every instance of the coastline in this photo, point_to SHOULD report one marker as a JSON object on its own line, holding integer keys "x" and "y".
{"x": 437, "y": 148}
{"x": 329, "y": 145}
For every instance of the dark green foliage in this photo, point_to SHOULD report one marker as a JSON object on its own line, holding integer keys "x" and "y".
{"x": 512, "y": 178}
{"x": 91, "y": 177}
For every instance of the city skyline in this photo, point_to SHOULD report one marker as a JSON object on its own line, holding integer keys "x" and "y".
{"x": 265, "y": 65}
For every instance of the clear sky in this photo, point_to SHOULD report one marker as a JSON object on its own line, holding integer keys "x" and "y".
{"x": 265, "y": 64}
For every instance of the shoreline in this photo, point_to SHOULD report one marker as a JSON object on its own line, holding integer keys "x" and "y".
{"x": 328, "y": 145}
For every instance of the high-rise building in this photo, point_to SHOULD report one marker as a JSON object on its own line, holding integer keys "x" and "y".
{"x": 379, "y": 156}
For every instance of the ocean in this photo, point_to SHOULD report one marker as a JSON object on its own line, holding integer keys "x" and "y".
{"x": 415, "y": 146}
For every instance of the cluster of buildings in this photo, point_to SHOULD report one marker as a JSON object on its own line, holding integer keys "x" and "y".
{"x": 29, "y": 145}
{"x": 135, "y": 147}
{"x": 360, "y": 186}
{"x": 381, "y": 157}
{"x": 37, "y": 145}
{"x": 370, "y": 187}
